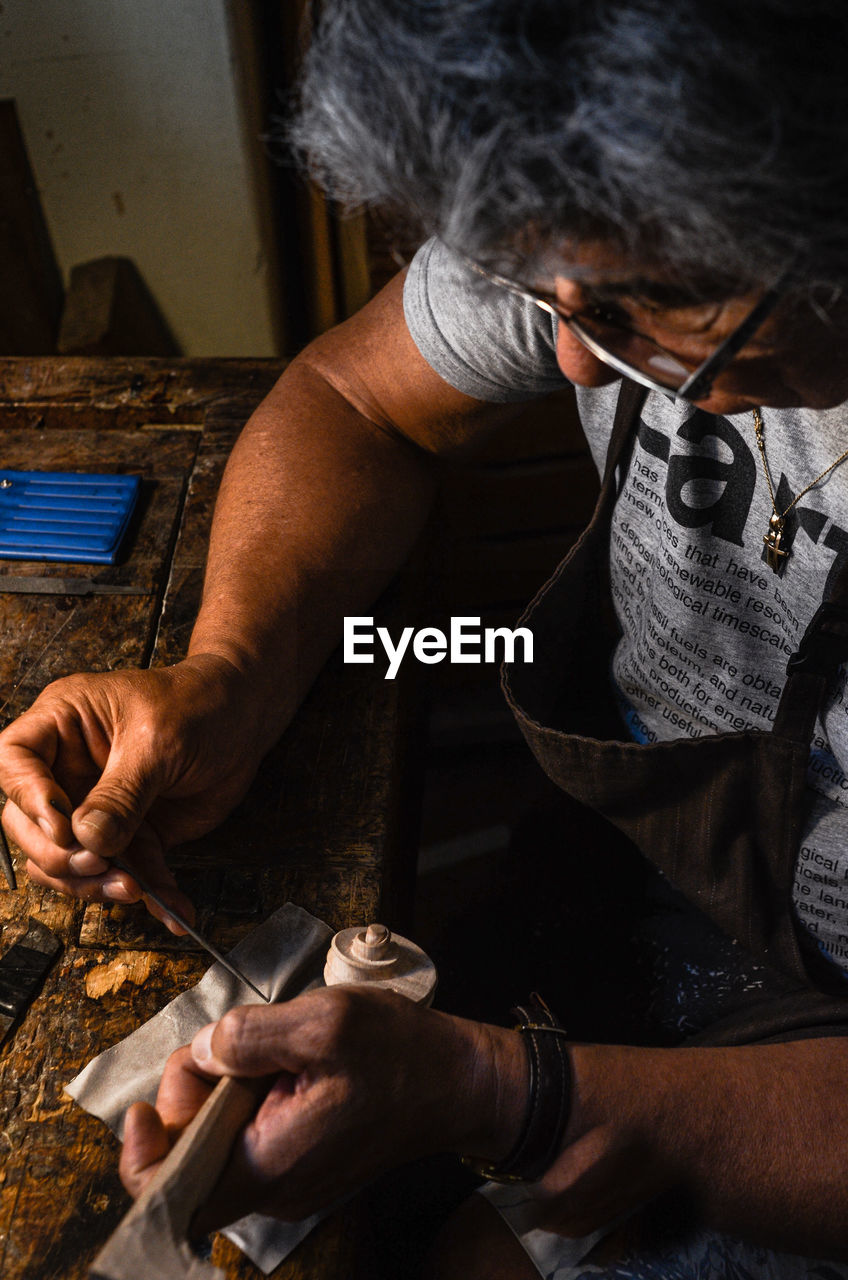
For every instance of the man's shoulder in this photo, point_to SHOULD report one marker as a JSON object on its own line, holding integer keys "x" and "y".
{"x": 483, "y": 340}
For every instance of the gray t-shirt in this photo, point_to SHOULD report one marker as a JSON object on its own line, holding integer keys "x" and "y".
{"x": 706, "y": 625}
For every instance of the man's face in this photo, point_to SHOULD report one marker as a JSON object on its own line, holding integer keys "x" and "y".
{"x": 798, "y": 357}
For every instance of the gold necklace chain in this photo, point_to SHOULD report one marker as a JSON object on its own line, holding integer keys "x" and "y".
{"x": 776, "y": 555}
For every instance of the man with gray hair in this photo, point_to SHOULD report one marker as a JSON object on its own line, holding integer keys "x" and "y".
{"x": 650, "y": 201}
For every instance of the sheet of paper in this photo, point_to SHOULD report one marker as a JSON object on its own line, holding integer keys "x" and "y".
{"x": 284, "y": 956}
{"x": 552, "y": 1254}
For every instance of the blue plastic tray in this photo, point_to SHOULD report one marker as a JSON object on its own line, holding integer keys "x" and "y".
{"x": 64, "y": 515}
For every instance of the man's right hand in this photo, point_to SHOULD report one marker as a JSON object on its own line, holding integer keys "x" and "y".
{"x": 323, "y": 496}
{"x": 127, "y": 762}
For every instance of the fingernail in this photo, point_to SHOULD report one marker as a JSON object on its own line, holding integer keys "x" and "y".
{"x": 201, "y": 1045}
{"x": 47, "y": 829}
{"x": 104, "y": 826}
{"x": 86, "y": 863}
{"x": 115, "y": 890}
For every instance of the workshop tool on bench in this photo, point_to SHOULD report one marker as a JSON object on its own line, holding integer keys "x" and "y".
{"x": 41, "y": 585}
{"x": 22, "y": 971}
{"x": 213, "y": 951}
{"x": 6, "y": 863}
{"x": 72, "y": 516}
{"x": 154, "y": 1237}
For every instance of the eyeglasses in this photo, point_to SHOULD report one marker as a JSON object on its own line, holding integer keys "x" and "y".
{"x": 637, "y": 356}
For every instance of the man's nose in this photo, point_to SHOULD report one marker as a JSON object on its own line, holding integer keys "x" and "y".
{"x": 579, "y": 364}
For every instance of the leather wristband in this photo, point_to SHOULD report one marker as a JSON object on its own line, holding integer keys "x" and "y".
{"x": 548, "y": 1102}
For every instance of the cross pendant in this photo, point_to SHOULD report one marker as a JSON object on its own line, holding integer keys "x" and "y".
{"x": 775, "y": 555}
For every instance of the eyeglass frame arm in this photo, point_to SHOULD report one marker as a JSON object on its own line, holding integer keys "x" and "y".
{"x": 699, "y": 383}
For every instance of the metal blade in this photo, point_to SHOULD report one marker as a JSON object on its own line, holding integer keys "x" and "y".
{"x": 184, "y": 924}
{"x": 6, "y": 864}
{"x": 42, "y": 585}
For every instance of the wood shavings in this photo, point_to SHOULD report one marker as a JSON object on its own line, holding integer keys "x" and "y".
{"x": 127, "y": 966}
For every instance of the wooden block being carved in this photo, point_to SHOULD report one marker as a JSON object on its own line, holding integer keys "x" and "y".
{"x": 380, "y": 958}
{"x": 109, "y": 311}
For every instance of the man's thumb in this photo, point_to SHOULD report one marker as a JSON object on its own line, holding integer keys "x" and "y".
{"x": 111, "y": 813}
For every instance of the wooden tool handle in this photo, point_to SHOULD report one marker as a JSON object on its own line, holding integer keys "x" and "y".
{"x": 152, "y": 1240}
{"x": 154, "y": 1233}
{"x": 194, "y": 1165}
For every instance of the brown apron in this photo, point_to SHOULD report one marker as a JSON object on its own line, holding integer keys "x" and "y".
{"x": 721, "y": 816}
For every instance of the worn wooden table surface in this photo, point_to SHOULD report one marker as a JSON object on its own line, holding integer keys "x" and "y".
{"x": 324, "y": 825}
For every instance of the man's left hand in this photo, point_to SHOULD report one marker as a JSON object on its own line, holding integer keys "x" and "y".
{"x": 362, "y": 1081}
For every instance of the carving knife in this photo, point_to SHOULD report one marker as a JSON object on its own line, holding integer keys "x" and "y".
{"x": 148, "y": 889}
{"x": 184, "y": 924}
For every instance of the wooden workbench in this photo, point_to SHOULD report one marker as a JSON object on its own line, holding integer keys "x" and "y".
{"x": 325, "y": 825}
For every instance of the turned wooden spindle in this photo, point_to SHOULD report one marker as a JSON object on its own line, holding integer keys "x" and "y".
{"x": 379, "y": 958}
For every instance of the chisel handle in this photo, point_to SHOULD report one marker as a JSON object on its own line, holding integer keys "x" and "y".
{"x": 152, "y": 1238}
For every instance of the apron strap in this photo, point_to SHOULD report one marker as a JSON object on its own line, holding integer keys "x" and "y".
{"x": 812, "y": 668}
{"x": 631, "y": 397}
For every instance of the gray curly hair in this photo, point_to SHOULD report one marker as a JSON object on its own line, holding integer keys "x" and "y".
{"x": 709, "y": 135}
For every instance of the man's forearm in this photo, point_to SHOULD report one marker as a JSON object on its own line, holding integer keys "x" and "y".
{"x": 317, "y": 509}
{"x": 757, "y": 1134}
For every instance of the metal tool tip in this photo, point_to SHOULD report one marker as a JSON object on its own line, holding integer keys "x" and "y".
{"x": 253, "y": 987}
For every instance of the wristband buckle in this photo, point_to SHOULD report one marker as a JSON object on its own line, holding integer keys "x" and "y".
{"x": 548, "y": 1101}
